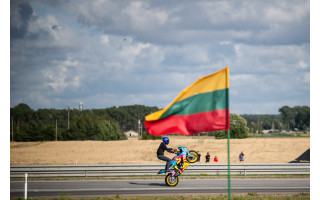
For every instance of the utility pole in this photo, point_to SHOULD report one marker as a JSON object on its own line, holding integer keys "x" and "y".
{"x": 272, "y": 125}
{"x": 139, "y": 127}
{"x": 12, "y": 129}
{"x": 68, "y": 118}
{"x": 56, "y": 129}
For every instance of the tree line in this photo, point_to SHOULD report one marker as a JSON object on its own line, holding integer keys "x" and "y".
{"x": 73, "y": 124}
{"x": 27, "y": 124}
{"x": 295, "y": 118}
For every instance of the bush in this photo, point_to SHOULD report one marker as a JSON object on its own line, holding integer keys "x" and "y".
{"x": 146, "y": 136}
{"x": 238, "y": 128}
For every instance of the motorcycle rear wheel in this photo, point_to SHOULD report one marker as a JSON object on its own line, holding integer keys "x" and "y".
{"x": 171, "y": 181}
{"x": 192, "y": 156}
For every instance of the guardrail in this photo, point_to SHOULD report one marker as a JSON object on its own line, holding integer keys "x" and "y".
{"x": 152, "y": 169}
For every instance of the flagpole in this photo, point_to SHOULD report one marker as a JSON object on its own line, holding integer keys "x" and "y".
{"x": 229, "y": 175}
{"x": 228, "y": 135}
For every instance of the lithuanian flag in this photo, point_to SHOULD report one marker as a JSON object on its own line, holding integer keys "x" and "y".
{"x": 201, "y": 107}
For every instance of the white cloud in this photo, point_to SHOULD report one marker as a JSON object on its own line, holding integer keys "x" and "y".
{"x": 243, "y": 80}
{"x": 225, "y": 43}
{"x": 278, "y": 59}
{"x": 125, "y": 52}
{"x": 105, "y": 39}
{"x": 237, "y": 49}
{"x": 62, "y": 76}
{"x": 50, "y": 32}
{"x": 287, "y": 12}
{"x": 142, "y": 16}
{"x": 302, "y": 65}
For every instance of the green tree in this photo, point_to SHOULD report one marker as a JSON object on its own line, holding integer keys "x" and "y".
{"x": 296, "y": 117}
{"x": 302, "y": 117}
{"x": 21, "y": 117}
{"x": 128, "y": 116}
{"x": 288, "y": 115}
{"x": 146, "y": 136}
{"x": 238, "y": 128}
{"x": 88, "y": 126}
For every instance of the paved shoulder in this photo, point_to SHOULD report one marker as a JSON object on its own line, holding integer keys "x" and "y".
{"x": 157, "y": 186}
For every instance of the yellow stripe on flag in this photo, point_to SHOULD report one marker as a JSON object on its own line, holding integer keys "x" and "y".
{"x": 216, "y": 81}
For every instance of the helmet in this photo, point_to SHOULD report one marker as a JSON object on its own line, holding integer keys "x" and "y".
{"x": 165, "y": 140}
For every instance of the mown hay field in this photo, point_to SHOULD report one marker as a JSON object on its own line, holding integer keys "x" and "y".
{"x": 134, "y": 151}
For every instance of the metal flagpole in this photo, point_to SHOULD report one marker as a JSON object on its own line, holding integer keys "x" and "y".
{"x": 229, "y": 175}
{"x": 228, "y": 135}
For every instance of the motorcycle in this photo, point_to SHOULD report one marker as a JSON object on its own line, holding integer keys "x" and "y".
{"x": 178, "y": 164}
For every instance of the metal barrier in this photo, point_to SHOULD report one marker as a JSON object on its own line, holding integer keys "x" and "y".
{"x": 152, "y": 169}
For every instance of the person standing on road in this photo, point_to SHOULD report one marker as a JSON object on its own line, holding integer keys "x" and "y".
{"x": 241, "y": 159}
{"x": 160, "y": 152}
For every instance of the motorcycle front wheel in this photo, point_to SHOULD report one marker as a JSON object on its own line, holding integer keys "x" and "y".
{"x": 192, "y": 156}
{"x": 172, "y": 181}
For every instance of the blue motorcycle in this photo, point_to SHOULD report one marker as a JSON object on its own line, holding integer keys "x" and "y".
{"x": 178, "y": 164}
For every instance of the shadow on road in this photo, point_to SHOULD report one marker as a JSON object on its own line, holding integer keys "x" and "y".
{"x": 151, "y": 184}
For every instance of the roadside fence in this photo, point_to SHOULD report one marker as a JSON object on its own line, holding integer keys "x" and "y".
{"x": 152, "y": 169}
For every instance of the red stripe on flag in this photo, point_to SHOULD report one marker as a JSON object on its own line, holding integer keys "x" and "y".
{"x": 190, "y": 124}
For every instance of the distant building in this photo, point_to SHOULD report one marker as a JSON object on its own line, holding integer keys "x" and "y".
{"x": 131, "y": 133}
{"x": 266, "y": 131}
{"x": 81, "y": 106}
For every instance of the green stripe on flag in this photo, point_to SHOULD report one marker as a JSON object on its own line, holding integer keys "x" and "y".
{"x": 209, "y": 101}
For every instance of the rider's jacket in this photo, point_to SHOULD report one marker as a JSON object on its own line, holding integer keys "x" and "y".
{"x": 163, "y": 147}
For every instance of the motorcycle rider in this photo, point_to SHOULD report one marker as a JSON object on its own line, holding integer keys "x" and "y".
{"x": 160, "y": 152}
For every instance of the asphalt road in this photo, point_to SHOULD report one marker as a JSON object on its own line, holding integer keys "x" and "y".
{"x": 156, "y": 186}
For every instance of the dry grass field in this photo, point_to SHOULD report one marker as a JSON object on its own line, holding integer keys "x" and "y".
{"x": 134, "y": 151}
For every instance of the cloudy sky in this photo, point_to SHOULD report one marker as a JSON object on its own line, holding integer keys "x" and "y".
{"x": 113, "y": 53}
